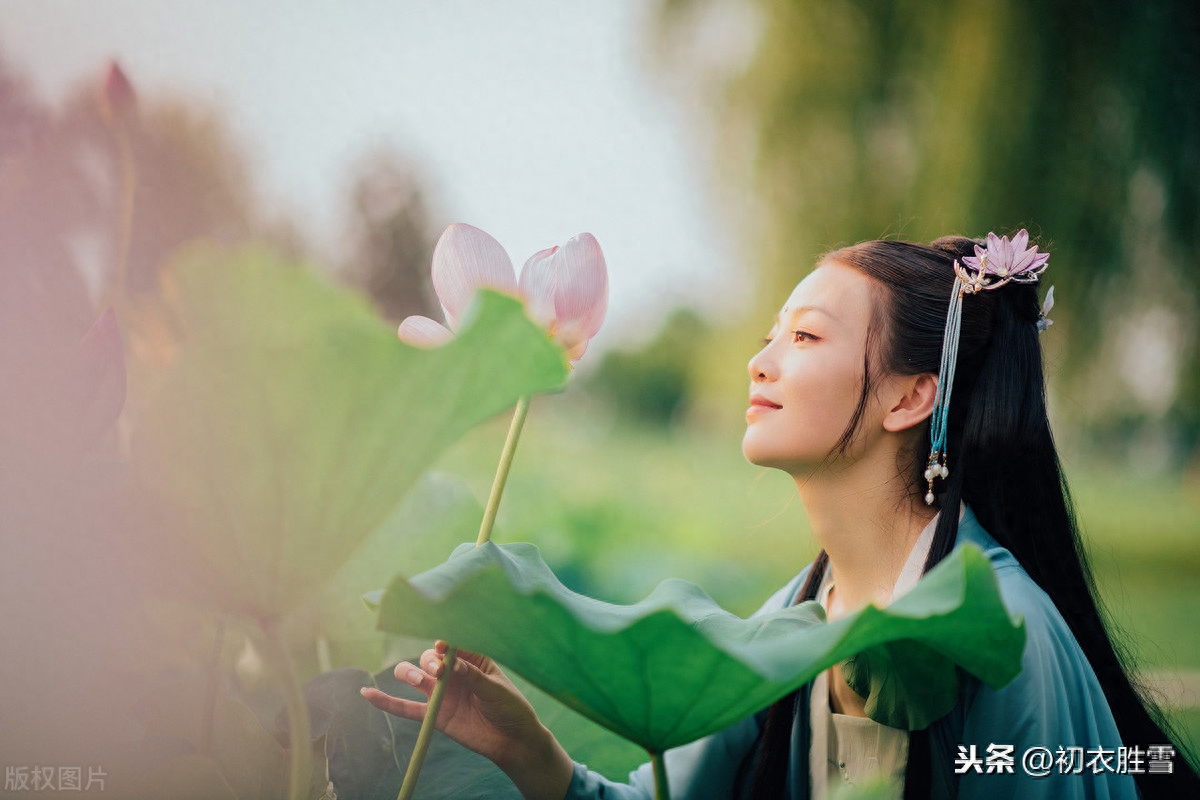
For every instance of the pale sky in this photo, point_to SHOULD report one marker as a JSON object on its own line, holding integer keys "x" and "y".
{"x": 534, "y": 120}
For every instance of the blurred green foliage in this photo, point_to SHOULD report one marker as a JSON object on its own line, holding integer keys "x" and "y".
{"x": 860, "y": 119}
{"x": 654, "y": 383}
{"x": 292, "y": 421}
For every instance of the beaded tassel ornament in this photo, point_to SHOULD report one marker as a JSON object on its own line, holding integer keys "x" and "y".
{"x": 990, "y": 268}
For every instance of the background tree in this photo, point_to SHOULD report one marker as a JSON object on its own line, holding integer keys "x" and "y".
{"x": 857, "y": 119}
{"x": 391, "y": 234}
{"x": 655, "y": 383}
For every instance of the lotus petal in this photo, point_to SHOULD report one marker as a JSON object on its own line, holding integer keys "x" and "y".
{"x": 1020, "y": 241}
{"x": 423, "y": 332}
{"x": 539, "y": 280}
{"x": 576, "y": 352}
{"x": 466, "y": 259}
{"x": 581, "y": 301}
{"x": 1024, "y": 261}
{"x": 566, "y": 290}
{"x": 994, "y": 246}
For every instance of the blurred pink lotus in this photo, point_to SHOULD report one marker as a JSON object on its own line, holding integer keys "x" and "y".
{"x": 565, "y": 289}
{"x": 117, "y": 98}
{"x": 61, "y": 401}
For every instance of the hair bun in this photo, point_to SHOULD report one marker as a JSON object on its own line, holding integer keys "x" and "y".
{"x": 957, "y": 246}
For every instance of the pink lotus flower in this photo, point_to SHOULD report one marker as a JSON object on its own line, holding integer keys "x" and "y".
{"x": 1005, "y": 260}
{"x": 565, "y": 289}
{"x": 60, "y": 401}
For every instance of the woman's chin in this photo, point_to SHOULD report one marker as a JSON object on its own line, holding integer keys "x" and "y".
{"x": 771, "y": 458}
{"x": 758, "y": 455}
{"x": 750, "y": 450}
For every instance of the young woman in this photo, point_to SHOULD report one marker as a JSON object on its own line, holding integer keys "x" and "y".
{"x": 845, "y": 398}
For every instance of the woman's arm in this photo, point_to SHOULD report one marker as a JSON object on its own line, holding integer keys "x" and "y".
{"x": 1056, "y": 702}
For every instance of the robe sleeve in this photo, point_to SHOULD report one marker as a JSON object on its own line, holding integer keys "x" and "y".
{"x": 1056, "y": 702}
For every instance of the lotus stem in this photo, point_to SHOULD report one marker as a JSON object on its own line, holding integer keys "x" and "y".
{"x": 506, "y": 459}
{"x": 426, "y": 733}
{"x": 661, "y": 790}
{"x": 324, "y": 662}
{"x": 299, "y": 730}
{"x": 485, "y": 534}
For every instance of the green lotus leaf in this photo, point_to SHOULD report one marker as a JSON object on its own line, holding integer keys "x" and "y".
{"x": 292, "y": 421}
{"x": 676, "y": 667}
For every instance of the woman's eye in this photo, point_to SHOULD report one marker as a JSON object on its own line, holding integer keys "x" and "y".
{"x": 797, "y": 337}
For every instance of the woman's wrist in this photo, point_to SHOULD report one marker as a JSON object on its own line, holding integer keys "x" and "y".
{"x": 540, "y": 767}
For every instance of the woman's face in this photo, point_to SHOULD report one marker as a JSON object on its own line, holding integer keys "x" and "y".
{"x": 807, "y": 380}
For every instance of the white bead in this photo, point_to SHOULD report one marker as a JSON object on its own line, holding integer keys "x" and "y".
{"x": 945, "y": 471}
{"x": 929, "y": 498}
{"x": 928, "y": 474}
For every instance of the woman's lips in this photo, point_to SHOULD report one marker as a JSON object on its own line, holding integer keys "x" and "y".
{"x": 759, "y": 406}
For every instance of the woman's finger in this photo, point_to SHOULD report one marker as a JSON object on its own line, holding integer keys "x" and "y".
{"x": 474, "y": 658}
{"x": 419, "y": 679}
{"x": 431, "y": 662}
{"x": 408, "y": 709}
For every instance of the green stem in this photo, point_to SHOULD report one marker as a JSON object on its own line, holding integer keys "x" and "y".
{"x": 299, "y": 730}
{"x": 426, "y": 733}
{"x": 506, "y": 459}
{"x": 485, "y": 534}
{"x": 661, "y": 790}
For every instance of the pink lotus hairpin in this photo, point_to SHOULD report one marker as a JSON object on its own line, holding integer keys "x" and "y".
{"x": 1001, "y": 262}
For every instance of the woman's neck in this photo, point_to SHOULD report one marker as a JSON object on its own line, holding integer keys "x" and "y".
{"x": 867, "y": 524}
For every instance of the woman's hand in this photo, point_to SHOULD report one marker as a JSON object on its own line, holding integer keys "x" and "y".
{"x": 484, "y": 712}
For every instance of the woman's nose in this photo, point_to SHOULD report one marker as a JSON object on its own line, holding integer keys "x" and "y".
{"x": 760, "y": 366}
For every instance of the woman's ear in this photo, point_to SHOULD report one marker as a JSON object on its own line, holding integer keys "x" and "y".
{"x": 912, "y": 401}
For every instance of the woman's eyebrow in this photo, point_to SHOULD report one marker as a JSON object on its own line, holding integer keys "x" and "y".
{"x": 798, "y": 310}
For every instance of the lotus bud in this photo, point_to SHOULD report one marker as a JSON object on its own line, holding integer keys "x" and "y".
{"x": 118, "y": 102}
{"x": 566, "y": 290}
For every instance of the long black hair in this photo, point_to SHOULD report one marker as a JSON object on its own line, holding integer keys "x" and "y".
{"x": 1003, "y": 463}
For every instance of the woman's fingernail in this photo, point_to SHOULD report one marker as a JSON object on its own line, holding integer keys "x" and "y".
{"x": 414, "y": 677}
{"x": 363, "y": 691}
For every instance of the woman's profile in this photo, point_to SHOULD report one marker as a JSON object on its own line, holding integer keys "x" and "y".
{"x": 901, "y": 386}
